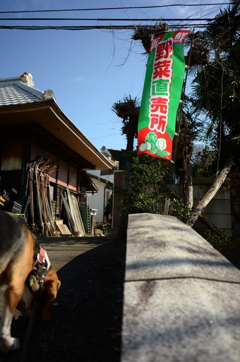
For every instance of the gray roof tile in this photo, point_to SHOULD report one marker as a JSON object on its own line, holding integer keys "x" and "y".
{"x": 13, "y": 91}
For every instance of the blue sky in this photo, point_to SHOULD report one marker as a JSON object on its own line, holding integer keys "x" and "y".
{"x": 88, "y": 70}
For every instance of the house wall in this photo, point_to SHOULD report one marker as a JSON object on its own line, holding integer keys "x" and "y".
{"x": 16, "y": 153}
{"x": 96, "y": 201}
{"x": 11, "y": 167}
{"x": 99, "y": 200}
{"x": 72, "y": 178}
{"x": 12, "y": 153}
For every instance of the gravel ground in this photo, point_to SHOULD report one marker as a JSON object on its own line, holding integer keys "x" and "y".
{"x": 87, "y": 314}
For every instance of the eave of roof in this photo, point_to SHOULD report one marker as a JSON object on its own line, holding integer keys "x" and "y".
{"x": 100, "y": 178}
{"x": 51, "y": 118}
{"x": 91, "y": 187}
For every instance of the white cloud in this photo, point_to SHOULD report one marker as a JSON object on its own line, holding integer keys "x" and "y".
{"x": 81, "y": 79}
{"x": 76, "y": 79}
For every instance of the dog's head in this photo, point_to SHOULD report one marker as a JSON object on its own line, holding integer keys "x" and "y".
{"x": 49, "y": 293}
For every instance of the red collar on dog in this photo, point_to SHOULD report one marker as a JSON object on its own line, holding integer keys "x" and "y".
{"x": 40, "y": 256}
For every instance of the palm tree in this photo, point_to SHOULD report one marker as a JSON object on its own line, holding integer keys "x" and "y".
{"x": 128, "y": 110}
{"x": 216, "y": 87}
{"x": 216, "y": 94}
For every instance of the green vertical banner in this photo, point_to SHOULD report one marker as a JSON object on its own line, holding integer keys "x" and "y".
{"x": 161, "y": 94}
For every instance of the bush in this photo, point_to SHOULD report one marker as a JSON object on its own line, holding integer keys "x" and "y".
{"x": 143, "y": 191}
{"x": 180, "y": 210}
{"x": 227, "y": 245}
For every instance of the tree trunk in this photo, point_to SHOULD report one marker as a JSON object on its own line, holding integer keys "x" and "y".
{"x": 211, "y": 192}
{"x": 188, "y": 187}
{"x": 202, "y": 218}
{"x": 130, "y": 141}
{"x": 122, "y": 230}
{"x": 218, "y": 233}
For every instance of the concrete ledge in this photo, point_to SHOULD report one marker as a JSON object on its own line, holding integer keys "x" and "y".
{"x": 181, "y": 297}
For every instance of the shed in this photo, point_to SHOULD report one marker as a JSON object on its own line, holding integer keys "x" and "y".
{"x": 34, "y": 129}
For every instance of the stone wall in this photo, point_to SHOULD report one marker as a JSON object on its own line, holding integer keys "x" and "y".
{"x": 181, "y": 296}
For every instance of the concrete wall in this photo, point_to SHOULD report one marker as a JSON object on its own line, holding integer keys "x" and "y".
{"x": 181, "y": 296}
{"x": 219, "y": 208}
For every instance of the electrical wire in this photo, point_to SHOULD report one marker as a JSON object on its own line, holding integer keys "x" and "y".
{"x": 109, "y": 27}
{"x": 110, "y": 135}
{"x": 103, "y": 19}
{"x": 117, "y": 8}
{"x": 78, "y": 28}
{"x": 189, "y": 22}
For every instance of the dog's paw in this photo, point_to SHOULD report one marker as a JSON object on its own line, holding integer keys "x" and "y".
{"x": 9, "y": 345}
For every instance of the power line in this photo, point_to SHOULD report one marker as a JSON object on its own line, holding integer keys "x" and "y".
{"x": 107, "y": 27}
{"x": 103, "y": 19}
{"x": 110, "y": 135}
{"x": 117, "y": 8}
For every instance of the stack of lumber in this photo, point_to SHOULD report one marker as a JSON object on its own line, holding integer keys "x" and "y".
{"x": 38, "y": 206}
{"x": 63, "y": 229}
{"x": 75, "y": 222}
{"x": 41, "y": 218}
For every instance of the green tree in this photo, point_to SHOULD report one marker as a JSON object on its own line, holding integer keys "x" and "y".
{"x": 216, "y": 97}
{"x": 216, "y": 88}
{"x": 144, "y": 191}
{"x": 128, "y": 111}
{"x": 216, "y": 85}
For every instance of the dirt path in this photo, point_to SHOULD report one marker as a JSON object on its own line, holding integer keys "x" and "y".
{"x": 86, "y": 316}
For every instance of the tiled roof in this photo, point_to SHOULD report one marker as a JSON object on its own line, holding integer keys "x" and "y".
{"x": 18, "y": 95}
{"x": 14, "y": 91}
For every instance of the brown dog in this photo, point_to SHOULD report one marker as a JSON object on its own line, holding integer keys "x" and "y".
{"x": 24, "y": 267}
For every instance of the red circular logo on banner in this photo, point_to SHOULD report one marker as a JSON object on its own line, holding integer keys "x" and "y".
{"x": 164, "y": 141}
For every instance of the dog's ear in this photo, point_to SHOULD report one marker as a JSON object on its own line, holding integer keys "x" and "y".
{"x": 49, "y": 293}
{"x": 21, "y": 306}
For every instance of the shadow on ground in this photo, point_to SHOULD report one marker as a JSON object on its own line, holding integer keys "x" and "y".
{"x": 86, "y": 316}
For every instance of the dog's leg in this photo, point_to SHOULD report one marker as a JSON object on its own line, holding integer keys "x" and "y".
{"x": 11, "y": 298}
